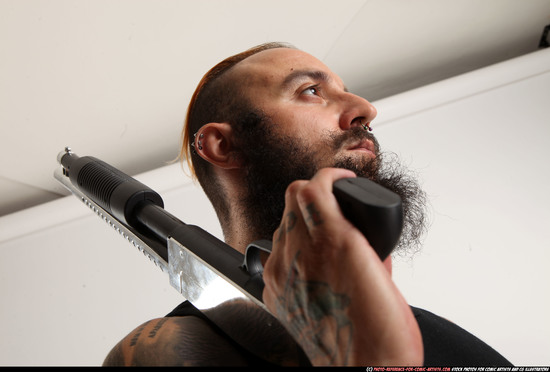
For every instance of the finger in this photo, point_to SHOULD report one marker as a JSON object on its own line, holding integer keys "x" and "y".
{"x": 291, "y": 223}
{"x": 317, "y": 203}
{"x": 290, "y": 216}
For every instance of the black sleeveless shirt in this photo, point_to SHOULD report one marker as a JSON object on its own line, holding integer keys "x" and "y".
{"x": 445, "y": 343}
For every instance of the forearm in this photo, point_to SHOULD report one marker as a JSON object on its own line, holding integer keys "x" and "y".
{"x": 343, "y": 324}
{"x": 386, "y": 332}
{"x": 327, "y": 285}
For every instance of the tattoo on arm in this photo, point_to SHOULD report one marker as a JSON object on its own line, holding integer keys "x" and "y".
{"x": 135, "y": 337}
{"x": 157, "y": 327}
{"x": 152, "y": 333}
{"x": 174, "y": 341}
{"x": 316, "y": 316}
{"x": 129, "y": 350}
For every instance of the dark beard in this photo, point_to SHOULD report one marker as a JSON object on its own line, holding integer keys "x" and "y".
{"x": 281, "y": 160}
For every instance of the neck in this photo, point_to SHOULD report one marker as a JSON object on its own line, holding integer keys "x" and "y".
{"x": 238, "y": 231}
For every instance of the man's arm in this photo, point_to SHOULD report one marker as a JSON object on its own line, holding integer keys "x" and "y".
{"x": 326, "y": 284}
{"x": 174, "y": 341}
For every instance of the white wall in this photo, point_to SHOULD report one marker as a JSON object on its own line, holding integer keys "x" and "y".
{"x": 71, "y": 287}
{"x": 480, "y": 144}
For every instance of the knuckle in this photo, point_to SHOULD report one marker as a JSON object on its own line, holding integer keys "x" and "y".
{"x": 295, "y": 186}
{"x": 272, "y": 271}
{"x": 309, "y": 192}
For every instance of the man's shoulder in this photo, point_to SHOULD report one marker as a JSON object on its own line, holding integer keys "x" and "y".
{"x": 235, "y": 333}
{"x": 175, "y": 341}
{"x": 446, "y": 343}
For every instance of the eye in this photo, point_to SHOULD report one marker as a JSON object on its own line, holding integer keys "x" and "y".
{"x": 313, "y": 90}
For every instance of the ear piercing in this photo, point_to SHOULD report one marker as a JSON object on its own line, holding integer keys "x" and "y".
{"x": 201, "y": 136}
{"x": 199, "y": 143}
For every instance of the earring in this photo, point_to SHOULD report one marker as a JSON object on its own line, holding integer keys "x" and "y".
{"x": 199, "y": 143}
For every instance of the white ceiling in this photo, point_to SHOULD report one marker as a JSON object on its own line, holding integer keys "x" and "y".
{"x": 112, "y": 78}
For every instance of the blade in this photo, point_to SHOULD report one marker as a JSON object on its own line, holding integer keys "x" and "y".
{"x": 200, "y": 283}
{"x": 142, "y": 243}
{"x": 189, "y": 273}
{"x": 211, "y": 275}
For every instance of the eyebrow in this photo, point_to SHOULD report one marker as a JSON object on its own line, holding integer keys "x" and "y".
{"x": 302, "y": 74}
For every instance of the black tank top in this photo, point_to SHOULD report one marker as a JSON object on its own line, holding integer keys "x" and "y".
{"x": 445, "y": 343}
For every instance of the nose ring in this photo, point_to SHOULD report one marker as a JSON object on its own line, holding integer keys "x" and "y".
{"x": 366, "y": 126}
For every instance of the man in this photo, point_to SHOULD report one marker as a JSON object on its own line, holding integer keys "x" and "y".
{"x": 268, "y": 132}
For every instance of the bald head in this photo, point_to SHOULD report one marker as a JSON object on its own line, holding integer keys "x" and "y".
{"x": 266, "y": 75}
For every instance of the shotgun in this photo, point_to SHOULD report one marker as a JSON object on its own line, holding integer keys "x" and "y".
{"x": 196, "y": 261}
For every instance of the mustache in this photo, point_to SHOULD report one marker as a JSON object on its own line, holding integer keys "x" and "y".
{"x": 352, "y": 136}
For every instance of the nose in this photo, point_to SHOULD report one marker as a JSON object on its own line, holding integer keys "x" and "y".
{"x": 357, "y": 111}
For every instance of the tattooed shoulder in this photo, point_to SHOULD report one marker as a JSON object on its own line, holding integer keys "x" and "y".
{"x": 174, "y": 341}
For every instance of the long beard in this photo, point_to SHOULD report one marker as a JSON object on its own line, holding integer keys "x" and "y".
{"x": 281, "y": 160}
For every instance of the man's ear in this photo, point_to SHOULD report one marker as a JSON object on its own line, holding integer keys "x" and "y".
{"x": 213, "y": 142}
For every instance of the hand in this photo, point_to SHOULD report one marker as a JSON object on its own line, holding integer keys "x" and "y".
{"x": 327, "y": 286}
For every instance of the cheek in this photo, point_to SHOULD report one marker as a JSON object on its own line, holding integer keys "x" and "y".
{"x": 305, "y": 126}
{"x": 312, "y": 128}
{"x": 323, "y": 151}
